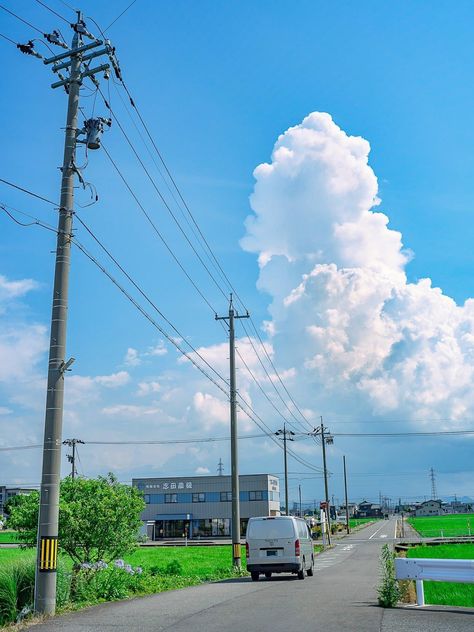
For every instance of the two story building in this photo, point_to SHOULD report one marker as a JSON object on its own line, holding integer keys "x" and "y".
{"x": 201, "y": 506}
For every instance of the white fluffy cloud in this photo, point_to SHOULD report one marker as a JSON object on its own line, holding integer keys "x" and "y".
{"x": 343, "y": 312}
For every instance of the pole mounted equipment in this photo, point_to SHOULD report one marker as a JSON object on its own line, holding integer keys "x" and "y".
{"x": 72, "y": 60}
{"x": 234, "y": 460}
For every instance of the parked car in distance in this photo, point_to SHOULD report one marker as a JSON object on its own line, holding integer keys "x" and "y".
{"x": 279, "y": 544}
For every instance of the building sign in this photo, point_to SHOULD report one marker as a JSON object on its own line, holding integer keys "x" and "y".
{"x": 170, "y": 485}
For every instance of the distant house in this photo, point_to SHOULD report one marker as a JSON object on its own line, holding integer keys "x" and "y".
{"x": 368, "y": 510}
{"x": 429, "y": 508}
{"x": 9, "y": 492}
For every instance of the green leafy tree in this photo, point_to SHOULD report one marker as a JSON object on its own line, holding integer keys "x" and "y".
{"x": 99, "y": 519}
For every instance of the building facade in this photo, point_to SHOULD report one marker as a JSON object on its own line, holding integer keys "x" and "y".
{"x": 9, "y": 492}
{"x": 429, "y": 508}
{"x": 201, "y": 506}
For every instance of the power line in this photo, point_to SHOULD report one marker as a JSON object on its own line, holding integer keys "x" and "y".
{"x": 16, "y": 186}
{"x": 163, "y": 199}
{"x": 146, "y": 297}
{"x": 434, "y": 433}
{"x": 8, "y": 39}
{"x": 20, "y": 447}
{"x": 35, "y": 28}
{"x": 139, "y": 307}
{"x": 251, "y": 416}
{"x": 119, "y": 16}
{"x": 53, "y": 12}
{"x": 214, "y": 258}
{"x": 157, "y": 231}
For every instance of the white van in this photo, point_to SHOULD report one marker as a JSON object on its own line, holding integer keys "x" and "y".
{"x": 279, "y": 544}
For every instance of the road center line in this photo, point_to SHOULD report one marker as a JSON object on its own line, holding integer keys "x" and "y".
{"x": 375, "y": 533}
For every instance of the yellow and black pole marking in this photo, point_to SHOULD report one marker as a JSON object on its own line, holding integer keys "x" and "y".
{"x": 236, "y": 551}
{"x": 49, "y": 554}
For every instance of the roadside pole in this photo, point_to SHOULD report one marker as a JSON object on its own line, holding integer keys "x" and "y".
{"x": 234, "y": 465}
{"x": 345, "y": 493}
{"x": 46, "y": 565}
{"x": 48, "y": 517}
{"x": 287, "y": 436}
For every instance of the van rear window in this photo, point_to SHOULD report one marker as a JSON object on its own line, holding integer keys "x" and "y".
{"x": 270, "y": 529}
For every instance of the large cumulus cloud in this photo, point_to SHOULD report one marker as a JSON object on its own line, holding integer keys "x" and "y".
{"x": 343, "y": 313}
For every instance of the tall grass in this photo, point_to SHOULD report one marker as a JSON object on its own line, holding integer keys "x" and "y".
{"x": 17, "y": 583}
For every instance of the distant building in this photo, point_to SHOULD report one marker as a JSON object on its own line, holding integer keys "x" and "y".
{"x": 429, "y": 508}
{"x": 9, "y": 492}
{"x": 368, "y": 510}
{"x": 201, "y": 506}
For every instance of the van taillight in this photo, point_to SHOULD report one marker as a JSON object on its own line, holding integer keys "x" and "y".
{"x": 247, "y": 549}
{"x": 297, "y": 548}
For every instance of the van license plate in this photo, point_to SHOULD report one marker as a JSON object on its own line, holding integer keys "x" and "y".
{"x": 270, "y": 553}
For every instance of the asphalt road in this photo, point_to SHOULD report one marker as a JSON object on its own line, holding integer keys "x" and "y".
{"x": 340, "y": 596}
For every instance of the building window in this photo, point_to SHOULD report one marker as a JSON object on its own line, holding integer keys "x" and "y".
{"x": 147, "y": 498}
{"x": 226, "y": 496}
{"x": 171, "y": 498}
{"x": 199, "y": 498}
{"x": 255, "y": 495}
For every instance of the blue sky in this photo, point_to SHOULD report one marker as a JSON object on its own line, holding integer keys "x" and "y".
{"x": 217, "y": 84}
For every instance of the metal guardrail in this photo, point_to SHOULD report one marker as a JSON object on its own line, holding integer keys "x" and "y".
{"x": 435, "y": 570}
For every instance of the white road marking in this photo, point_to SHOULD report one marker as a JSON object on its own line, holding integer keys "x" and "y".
{"x": 375, "y": 533}
{"x": 383, "y": 536}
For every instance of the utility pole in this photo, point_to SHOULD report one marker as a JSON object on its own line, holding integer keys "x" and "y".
{"x": 234, "y": 464}
{"x": 433, "y": 484}
{"x": 72, "y": 457}
{"x": 299, "y": 492}
{"x": 220, "y": 468}
{"x": 345, "y": 494}
{"x": 325, "y": 438}
{"x": 47, "y": 544}
{"x": 287, "y": 436}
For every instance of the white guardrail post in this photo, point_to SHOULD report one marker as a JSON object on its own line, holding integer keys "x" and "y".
{"x": 420, "y": 569}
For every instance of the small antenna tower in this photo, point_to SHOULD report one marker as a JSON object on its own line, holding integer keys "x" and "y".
{"x": 434, "y": 494}
{"x": 220, "y": 468}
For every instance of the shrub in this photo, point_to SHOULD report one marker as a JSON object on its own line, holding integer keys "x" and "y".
{"x": 389, "y": 590}
{"x": 173, "y": 568}
{"x": 106, "y": 582}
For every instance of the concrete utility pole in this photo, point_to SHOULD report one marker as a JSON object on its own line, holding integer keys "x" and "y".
{"x": 299, "y": 493}
{"x": 325, "y": 438}
{"x": 234, "y": 461}
{"x": 287, "y": 436}
{"x": 345, "y": 494}
{"x": 72, "y": 457}
{"x": 47, "y": 546}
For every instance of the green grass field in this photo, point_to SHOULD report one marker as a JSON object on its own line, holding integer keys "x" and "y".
{"x": 196, "y": 561}
{"x": 444, "y": 526}
{"x": 356, "y": 522}
{"x": 444, "y": 593}
{"x": 8, "y": 536}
